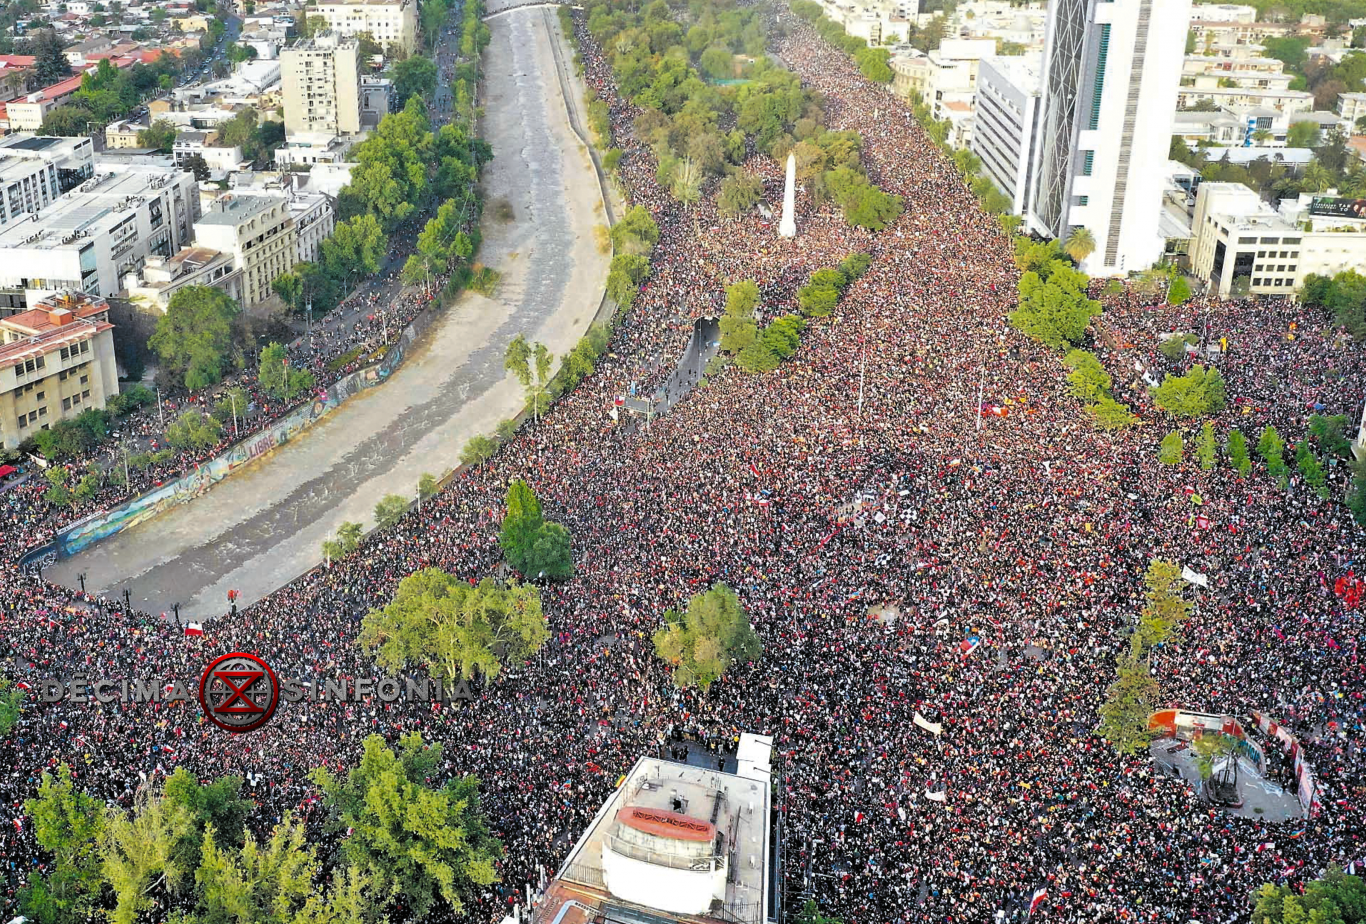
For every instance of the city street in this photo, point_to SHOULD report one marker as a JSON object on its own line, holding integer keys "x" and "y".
{"x": 264, "y": 526}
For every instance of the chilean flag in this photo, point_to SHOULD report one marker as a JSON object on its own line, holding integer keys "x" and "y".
{"x": 1039, "y": 895}
{"x": 968, "y": 645}
{"x": 194, "y": 628}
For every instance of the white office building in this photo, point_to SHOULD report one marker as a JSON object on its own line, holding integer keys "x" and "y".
{"x": 1005, "y": 128}
{"x": 1242, "y": 244}
{"x": 89, "y": 239}
{"x": 1111, "y": 69}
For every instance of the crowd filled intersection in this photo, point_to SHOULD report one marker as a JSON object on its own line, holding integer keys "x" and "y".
{"x": 863, "y": 473}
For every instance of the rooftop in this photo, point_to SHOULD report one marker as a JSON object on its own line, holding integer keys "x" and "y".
{"x": 1023, "y": 71}
{"x": 92, "y": 209}
{"x": 54, "y": 322}
{"x": 234, "y": 208}
{"x": 675, "y": 836}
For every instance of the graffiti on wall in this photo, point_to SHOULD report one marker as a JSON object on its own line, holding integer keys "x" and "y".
{"x": 85, "y": 533}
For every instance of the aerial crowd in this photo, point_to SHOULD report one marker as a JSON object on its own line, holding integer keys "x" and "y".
{"x": 871, "y": 518}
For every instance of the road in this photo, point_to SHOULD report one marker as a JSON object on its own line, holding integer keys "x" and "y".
{"x": 263, "y": 527}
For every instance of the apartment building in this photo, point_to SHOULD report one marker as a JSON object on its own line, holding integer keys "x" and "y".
{"x": 56, "y": 360}
{"x": 390, "y": 22}
{"x": 259, "y": 233}
{"x": 73, "y": 159}
{"x": 1110, "y": 76}
{"x": 322, "y": 85}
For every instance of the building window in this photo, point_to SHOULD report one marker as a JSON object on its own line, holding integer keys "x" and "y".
{"x": 1099, "y": 85}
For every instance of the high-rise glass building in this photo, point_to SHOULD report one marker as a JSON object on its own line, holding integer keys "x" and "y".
{"x": 1111, "y": 69}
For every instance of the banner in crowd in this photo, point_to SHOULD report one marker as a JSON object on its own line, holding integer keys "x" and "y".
{"x": 934, "y": 728}
{"x": 1307, "y": 789}
{"x": 85, "y": 533}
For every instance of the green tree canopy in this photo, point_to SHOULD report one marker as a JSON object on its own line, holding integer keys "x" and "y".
{"x": 1054, "y": 309}
{"x": 440, "y": 622}
{"x": 415, "y": 76}
{"x": 278, "y": 378}
{"x": 68, "y": 825}
{"x": 703, "y": 642}
{"x": 195, "y": 337}
{"x": 533, "y": 547}
{"x": 417, "y": 842}
{"x": 1198, "y": 392}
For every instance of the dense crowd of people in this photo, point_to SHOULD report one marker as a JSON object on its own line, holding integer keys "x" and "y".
{"x": 871, "y": 517}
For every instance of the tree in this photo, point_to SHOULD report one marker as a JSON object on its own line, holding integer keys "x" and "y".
{"x": 1054, "y": 309}
{"x": 738, "y": 193}
{"x": 517, "y": 359}
{"x": 1206, "y": 449}
{"x": 810, "y": 913}
{"x": 427, "y": 487}
{"x": 50, "y": 64}
{"x": 1271, "y": 448}
{"x": 1171, "y": 449}
{"x": 1179, "y": 292}
{"x": 1330, "y": 434}
{"x": 347, "y": 541}
{"x": 1200, "y": 391}
{"x": 1236, "y": 447}
{"x": 1088, "y": 378}
{"x": 278, "y": 378}
{"x": 218, "y": 805}
{"x": 1302, "y": 135}
{"x": 67, "y": 121}
{"x": 480, "y": 448}
{"x": 67, "y": 824}
{"x": 1174, "y": 347}
{"x": 456, "y": 631}
{"x": 415, "y": 76}
{"x": 533, "y": 546}
{"x": 194, "y": 430}
{"x": 1111, "y": 414}
{"x": 198, "y": 166}
{"x": 290, "y": 288}
{"x": 1080, "y": 244}
{"x": 11, "y": 706}
{"x": 1337, "y": 898}
{"x": 1129, "y": 703}
{"x": 142, "y": 860}
{"x": 416, "y": 842}
{"x": 267, "y": 883}
{"x": 1311, "y": 469}
{"x": 636, "y": 232}
{"x": 356, "y": 248}
{"x": 707, "y": 639}
{"x": 864, "y": 205}
{"x": 237, "y": 53}
{"x": 389, "y": 510}
{"x": 194, "y": 338}
{"x": 160, "y": 135}
{"x": 627, "y": 271}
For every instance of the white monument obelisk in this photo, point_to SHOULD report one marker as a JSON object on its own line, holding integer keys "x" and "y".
{"x": 788, "y": 226}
